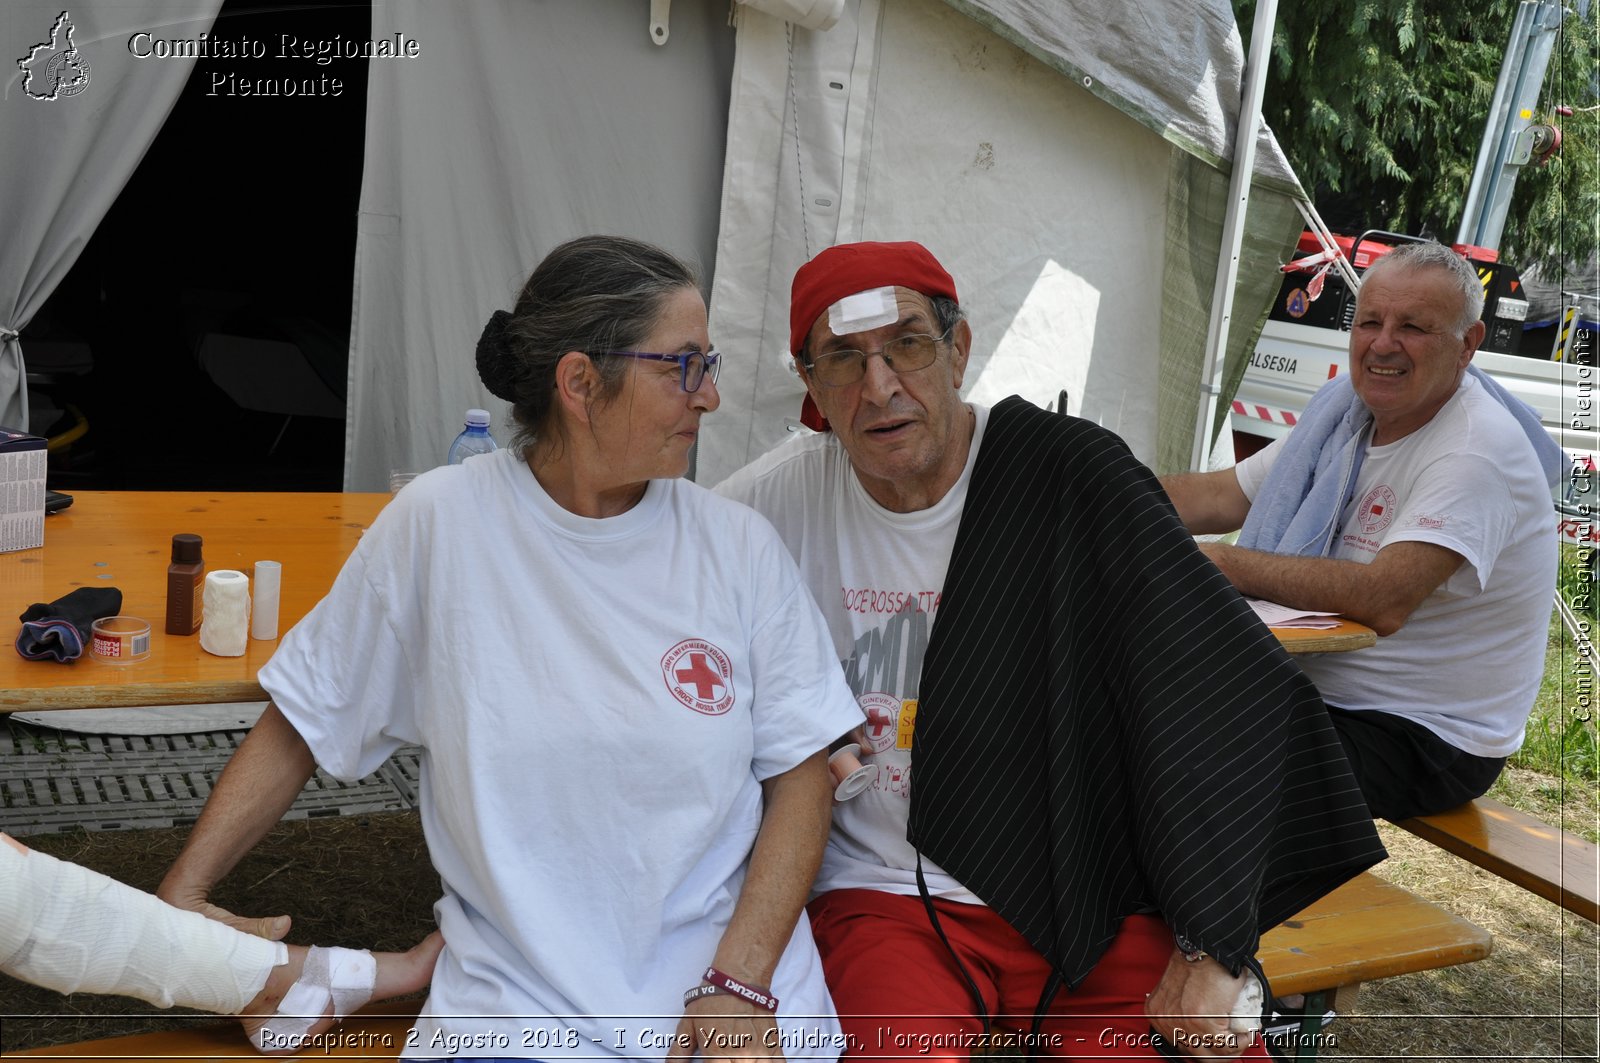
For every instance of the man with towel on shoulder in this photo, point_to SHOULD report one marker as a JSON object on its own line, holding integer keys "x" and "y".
{"x": 1414, "y": 497}
{"x": 1101, "y": 825}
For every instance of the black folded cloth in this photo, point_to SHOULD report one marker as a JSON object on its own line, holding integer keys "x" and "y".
{"x": 60, "y": 630}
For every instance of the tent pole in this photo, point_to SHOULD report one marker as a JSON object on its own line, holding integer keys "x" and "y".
{"x": 1244, "y": 163}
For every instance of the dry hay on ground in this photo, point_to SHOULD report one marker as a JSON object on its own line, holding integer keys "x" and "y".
{"x": 1535, "y": 996}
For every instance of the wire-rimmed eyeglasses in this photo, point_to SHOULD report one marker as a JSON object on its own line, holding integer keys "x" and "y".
{"x": 694, "y": 366}
{"x": 903, "y": 354}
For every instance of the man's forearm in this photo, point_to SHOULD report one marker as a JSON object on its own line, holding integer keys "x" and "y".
{"x": 1317, "y": 583}
{"x": 1208, "y": 503}
{"x": 255, "y": 789}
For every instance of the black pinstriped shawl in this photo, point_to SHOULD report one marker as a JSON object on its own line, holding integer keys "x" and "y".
{"x": 1105, "y": 727}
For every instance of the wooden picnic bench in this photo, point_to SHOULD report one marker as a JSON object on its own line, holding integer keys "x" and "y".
{"x": 377, "y": 1031}
{"x": 1557, "y": 865}
{"x": 1364, "y": 930}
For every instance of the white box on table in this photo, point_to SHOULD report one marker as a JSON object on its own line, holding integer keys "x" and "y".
{"x": 22, "y": 467}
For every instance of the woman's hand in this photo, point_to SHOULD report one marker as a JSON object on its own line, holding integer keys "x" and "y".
{"x": 259, "y": 783}
{"x": 722, "y": 1026}
{"x": 271, "y": 927}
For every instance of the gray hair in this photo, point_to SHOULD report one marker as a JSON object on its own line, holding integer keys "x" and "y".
{"x": 946, "y": 313}
{"x": 1431, "y": 255}
{"x": 593, "y": 294}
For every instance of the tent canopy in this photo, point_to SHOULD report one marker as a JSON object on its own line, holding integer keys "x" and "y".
{"x": 1066, "y": 161}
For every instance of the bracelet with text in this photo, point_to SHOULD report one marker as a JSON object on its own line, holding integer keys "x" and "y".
{"x": 758, "y": 995}
{"x": 692, "y": 995}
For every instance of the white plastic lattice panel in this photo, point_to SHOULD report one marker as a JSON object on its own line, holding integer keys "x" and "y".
{"x": 54, "y": 781}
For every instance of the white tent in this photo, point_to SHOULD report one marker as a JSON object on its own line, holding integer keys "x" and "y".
{"x": 67, "y": 146}
{"x": 1066, "y": 161}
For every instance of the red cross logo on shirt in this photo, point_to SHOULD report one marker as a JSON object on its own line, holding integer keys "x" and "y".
{"x": 699, "y": 676}
{"x": 883, "y": 713}
{"x": 1375, "y": 511}
{"x": 878, "y": 721}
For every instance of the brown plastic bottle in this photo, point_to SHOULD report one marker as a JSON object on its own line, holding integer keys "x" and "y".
{"x": 186, "y": 578}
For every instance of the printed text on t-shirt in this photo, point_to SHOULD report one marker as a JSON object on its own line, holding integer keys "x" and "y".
{"x": 873, "y": 600}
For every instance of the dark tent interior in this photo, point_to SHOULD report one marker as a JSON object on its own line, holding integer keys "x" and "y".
{"x": 201, "y": 339}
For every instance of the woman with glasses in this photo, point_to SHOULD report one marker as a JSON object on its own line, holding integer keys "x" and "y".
{"x": 623, "y": 691}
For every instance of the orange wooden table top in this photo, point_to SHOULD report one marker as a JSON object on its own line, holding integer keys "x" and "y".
{"x": 1349, "y": 635}
{"x": 123, "y": 539}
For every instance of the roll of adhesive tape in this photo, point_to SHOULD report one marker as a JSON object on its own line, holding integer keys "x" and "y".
{"x": 264, "y": 600}
{"x": 850, "y": 775}
{"x": 225, "y": 628}
{"x": 120, "y": 639}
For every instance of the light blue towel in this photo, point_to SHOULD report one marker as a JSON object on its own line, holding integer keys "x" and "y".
{"x": 1551, "y": 457}
{"x": 1298, "y": 505}
{"x": 1296, "y": 509}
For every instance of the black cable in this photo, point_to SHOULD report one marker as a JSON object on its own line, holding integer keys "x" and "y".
{"x": 982, "y": 1012}
{"x": 1052, "y": 986}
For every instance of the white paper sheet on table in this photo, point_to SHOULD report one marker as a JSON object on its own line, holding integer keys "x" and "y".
{"x": 1274, "y": 615}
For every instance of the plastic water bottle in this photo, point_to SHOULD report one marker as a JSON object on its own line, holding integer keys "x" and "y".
{"x": 474, "y": 438}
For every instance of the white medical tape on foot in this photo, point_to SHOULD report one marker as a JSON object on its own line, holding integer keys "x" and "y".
{"x": 73, "y": 930}
{"x": 343, "y": 976}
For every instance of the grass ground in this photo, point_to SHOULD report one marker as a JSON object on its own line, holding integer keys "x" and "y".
{"x": 1533, "y": 998}
{"x": 1561, "y": 741}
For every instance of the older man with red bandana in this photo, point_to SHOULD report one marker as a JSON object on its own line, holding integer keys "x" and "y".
{"x": 1100, "y": 827}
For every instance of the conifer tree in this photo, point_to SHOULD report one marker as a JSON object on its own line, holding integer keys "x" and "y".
{"x": 1381, "y": 104}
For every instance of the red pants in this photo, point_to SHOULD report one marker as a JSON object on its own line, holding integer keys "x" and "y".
{"x": 901, "y": 996}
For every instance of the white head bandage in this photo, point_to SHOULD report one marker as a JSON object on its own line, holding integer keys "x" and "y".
{"x": 873, "y": 308}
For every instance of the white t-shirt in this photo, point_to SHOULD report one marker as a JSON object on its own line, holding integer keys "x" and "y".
{"x": 1467, "y": 663}
{"x": 878, "y": 576}
{"x": 598, "y": 702}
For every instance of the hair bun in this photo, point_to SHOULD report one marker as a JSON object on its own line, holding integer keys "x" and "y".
{"x": 497, "y": 367}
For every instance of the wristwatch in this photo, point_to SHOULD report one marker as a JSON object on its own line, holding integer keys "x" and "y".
{"x": 1190, "y": 952}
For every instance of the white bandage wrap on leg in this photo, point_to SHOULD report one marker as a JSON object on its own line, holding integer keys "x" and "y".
{"x": 73, "y": 930}
{"x": 343, "y": 976}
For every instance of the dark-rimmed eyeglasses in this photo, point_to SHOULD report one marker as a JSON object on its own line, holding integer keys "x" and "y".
{"x": 693, "y": 366}
{"x": 903, "y": 354}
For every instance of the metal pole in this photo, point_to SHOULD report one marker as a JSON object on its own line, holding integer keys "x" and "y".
{"x": 1244, "y": 164}
{"x": 1516, "y": 93}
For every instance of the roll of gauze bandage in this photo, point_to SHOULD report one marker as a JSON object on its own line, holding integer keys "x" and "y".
{"x": 73, "y": 930}
{"x": 850, "y": 776}
{"x": 1247, "y": 1008}
{"x": 226, "y": 627}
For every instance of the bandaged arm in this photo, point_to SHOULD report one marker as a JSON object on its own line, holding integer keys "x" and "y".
{"x": 73, "y": 930}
